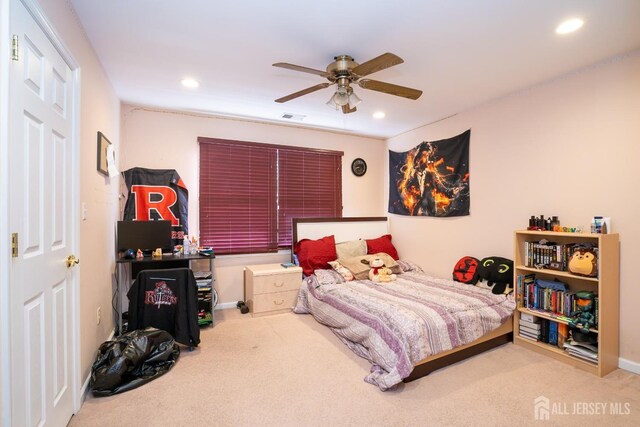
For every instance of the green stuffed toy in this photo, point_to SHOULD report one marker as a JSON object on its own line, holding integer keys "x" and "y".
{"x": 583, "y": 318}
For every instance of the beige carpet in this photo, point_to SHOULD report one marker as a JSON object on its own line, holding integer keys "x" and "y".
{"x": 288, "y": 370}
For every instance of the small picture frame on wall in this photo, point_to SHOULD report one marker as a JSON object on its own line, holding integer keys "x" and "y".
{"x": 103, "y": 144}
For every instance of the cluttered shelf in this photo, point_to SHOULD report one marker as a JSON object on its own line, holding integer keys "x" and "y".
{"x": 556, "y": 273}
{"x": 554, "y": 317}
{"x": 128, "y": 268}
{"x": 566, "y": 287}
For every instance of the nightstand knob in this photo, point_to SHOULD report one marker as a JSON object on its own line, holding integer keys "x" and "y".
{"x": 279, "y": 286}
{"x": 278, "y": 302}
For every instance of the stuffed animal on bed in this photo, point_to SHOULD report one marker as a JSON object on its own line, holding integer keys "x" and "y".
{"x": 497, "y": 274}
{"x": 378, "y": 272}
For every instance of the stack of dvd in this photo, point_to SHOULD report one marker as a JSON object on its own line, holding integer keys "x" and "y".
{"x": 529, "y": 326}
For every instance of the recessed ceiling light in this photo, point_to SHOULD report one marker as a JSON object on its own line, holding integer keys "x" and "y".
{"x": 379, "y": 115}
{"x": 190, "y": 83}
{"x": 569, "y": 26}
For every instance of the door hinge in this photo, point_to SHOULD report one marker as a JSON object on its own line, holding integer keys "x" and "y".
{"x": 14, "y": 245}
{"x": 14, "y": 47}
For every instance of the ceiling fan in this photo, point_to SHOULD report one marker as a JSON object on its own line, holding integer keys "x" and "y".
{"x": 344, "y": 72}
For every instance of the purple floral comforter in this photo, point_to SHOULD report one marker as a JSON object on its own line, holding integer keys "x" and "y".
{"x": 395, "y": 325}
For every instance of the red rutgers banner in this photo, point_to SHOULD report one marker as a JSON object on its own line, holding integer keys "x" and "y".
{"x": 157, "y": 194}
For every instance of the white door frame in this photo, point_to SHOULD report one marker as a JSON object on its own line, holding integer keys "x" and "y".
{"x": 5, "y": 247}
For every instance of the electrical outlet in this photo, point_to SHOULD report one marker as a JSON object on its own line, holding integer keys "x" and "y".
{"x": 98, "y": 315}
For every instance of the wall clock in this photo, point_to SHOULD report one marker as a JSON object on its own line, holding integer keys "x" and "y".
{"x": 358, "y": 167}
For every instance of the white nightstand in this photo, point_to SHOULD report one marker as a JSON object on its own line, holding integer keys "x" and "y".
{"x": 271, "y": 288}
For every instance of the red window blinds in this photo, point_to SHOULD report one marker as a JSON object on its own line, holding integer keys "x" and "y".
{"x": 238, "y": 197}
{"x": 249, "y": 192}
{"x": 309, "y": 186}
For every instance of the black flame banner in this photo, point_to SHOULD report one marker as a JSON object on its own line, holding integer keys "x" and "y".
{"x": 431, "y": 179}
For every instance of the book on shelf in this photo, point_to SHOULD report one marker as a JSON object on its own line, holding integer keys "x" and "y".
{"x": 552, "y": 297}
{"x": 529, "y": 329}
{"x": 533, "y": 327}
{"x": 593, "y": 348}
{"x": 543, "y": 253}
{"x": 528, "y": 317}
{"x": 578, "y": 350}
{"x": 529, "y": 335}
{"x": 563, "y": 334}
{"x": 530, "y": 338}
{"x": 525, "y": 331}
{"x": 199, "y": 275}
{"x": 553, "y": 333}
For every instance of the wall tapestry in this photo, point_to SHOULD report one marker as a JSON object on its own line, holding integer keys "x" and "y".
{"x": 431, "y": 179}
{"x": 157, "y": 194}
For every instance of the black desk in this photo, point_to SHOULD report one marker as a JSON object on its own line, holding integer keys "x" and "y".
{"x": 128, "y": 269}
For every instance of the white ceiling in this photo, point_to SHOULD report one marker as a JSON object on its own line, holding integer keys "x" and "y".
{"x": 460, "y": 53}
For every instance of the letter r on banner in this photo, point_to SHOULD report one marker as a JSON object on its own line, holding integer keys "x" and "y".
{"x": 158, "y": 198}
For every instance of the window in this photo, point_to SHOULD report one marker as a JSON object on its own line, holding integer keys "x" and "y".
{"x": 249, "y": 192}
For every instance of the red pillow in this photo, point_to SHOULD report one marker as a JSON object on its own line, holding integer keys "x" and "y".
{"x": 382, "y": 244}
{"x": 314, "y": 254}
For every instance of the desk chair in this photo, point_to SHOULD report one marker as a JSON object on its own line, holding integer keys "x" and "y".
{"x": 166, "y": 299}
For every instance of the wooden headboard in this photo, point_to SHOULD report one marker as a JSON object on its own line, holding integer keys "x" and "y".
{"x": 347, "y": 228}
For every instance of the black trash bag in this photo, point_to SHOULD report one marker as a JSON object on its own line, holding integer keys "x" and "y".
{"x": 131, "y": 360}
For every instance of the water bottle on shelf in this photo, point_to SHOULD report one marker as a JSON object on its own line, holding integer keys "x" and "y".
{"x": 185, "y": 245}
{"x": 193, "y": 246}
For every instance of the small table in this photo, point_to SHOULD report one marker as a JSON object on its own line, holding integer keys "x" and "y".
{"x": 271, "y": 288}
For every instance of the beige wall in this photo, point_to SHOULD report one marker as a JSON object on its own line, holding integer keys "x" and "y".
{"x": 168, "y": 140}
{"x": 569, "y": 147}
{"x": 100, "y": 111}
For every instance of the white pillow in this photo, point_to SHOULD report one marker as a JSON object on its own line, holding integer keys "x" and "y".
{"x": 351, "y": 248}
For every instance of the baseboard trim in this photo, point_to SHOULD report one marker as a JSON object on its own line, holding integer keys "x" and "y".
{"x": 629, "y": 365}
{"x": 225, "y": 305}
{"x": 84, "y": 391}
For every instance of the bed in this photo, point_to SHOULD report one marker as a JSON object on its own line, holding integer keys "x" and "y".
{"x": 408, "y": 327}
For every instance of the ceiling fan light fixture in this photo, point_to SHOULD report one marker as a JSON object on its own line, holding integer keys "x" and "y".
{"x": 332, "y": 104}
{"x": 354, "y": 100}
{"x": 339, "y": 98}
{"x": 343, "y": 73}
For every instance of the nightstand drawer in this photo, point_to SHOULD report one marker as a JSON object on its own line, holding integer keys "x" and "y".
{"x": 276, "y": 283}
{"x": 274, "y": 301}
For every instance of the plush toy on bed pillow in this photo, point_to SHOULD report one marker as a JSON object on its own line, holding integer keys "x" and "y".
{"x": 496, "y": 274}
{"x": 378, "y": 272}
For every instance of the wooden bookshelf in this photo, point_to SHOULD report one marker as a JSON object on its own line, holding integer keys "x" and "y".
{"x": 606, "y": 286}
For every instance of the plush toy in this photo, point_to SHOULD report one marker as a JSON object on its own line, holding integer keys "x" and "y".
{"x": 583, "y": 318}
{"x": 497, "y": 272}
{"x": 465, "y": 270}
{"x": 378, "y": 272}
{"x": 584, "y": 262}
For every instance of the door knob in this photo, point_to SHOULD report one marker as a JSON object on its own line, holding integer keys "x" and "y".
{"x": 72, "y": 261}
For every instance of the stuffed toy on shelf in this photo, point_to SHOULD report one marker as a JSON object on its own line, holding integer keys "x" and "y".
{"x": 583, "y": 318}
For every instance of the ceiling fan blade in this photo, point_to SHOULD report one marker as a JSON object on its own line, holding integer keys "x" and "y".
{"x": 301, "y": 68}
{"x": 346, "y": 110}
{"x": 381, "y": 62}
{"x": 389, "y": 88}
{"x": 303, "y": 92}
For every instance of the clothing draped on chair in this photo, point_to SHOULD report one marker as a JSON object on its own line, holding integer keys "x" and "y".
{"x": 168, "y": 300}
